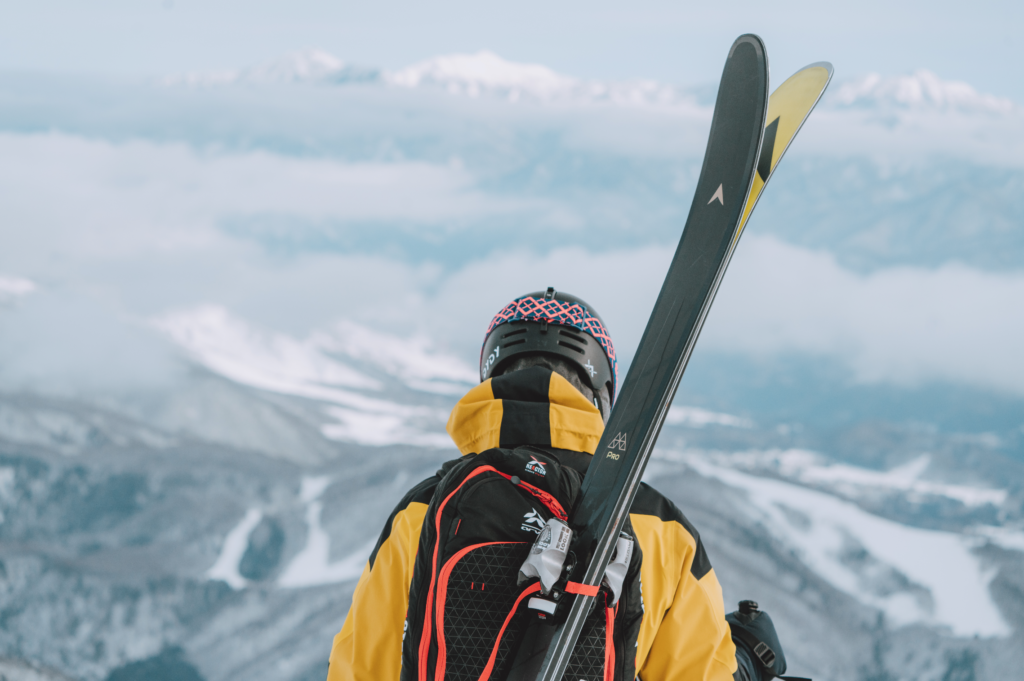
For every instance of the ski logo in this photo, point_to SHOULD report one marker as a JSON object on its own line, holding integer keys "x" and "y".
{"x": 536, "y": 467}
{"x": 718, "y": 195}
{"x": 618, "y": 443}
{"x": 532, "y": 522}
{"x": 590, "y": 369}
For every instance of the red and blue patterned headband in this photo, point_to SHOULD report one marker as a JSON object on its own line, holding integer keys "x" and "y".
{"x": 559, "y": 312}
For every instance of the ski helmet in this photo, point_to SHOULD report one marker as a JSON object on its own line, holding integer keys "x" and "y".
{"x": 577, "y": 333}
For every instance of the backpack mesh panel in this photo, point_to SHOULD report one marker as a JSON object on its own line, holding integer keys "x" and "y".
{"x": 587, "y": 660}
{"x": 481, "y": 591}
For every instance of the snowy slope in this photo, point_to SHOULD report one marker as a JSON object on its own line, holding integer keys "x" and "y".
{"x": 276, "y": 542}
{"x": 913, "y": 575}
{"x": 326, "y": 368}
{"x": 945, "y": 584}
{"x": 855, "y": 482}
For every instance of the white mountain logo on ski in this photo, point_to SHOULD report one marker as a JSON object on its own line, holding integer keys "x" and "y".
{"x": 717, "y": 195}
{"x": 532, "y": 522}
{"x": 619, "y": 441}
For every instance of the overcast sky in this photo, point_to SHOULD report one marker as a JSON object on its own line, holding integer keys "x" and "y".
{"x": 119, "y": 205}
{"x": 676, "y": 42}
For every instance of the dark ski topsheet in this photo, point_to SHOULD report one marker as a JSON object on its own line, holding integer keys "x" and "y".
{"x": 693, "y": 277}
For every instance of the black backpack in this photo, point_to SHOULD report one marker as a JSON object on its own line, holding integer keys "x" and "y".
{"x": 468, "y": 613}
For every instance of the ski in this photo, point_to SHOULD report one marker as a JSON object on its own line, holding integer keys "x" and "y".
{"x": 709, "y": 236}
{"x": 788, "y": 108}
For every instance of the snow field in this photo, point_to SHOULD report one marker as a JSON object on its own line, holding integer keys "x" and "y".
{"x": 310, "y": 566}
{"x": 824, "y": 530}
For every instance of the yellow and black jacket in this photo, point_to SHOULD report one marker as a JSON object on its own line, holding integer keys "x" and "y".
{"x": 683, "y": 634}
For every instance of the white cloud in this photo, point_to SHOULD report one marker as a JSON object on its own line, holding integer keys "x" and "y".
{"x": 901, "y": 325}
{"x": 922, "y": 89}
{"x": 86, "y": 198}
{"x": 116, "y": 232}
{"x": 12, "y": 288}
{"x": 72, "y": 343}
{"x": 622, "y": 286}
{"x": 915, "y": 136}
{"x": 481, "y": 71}
{"x": 695, "y": 417}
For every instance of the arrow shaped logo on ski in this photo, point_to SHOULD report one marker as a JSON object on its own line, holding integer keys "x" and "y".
{"x": 717, "y": 195}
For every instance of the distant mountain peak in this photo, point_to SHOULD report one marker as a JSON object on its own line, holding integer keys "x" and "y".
{"x": 482, "y": 73}
{"x": 473, "y": 73}
{"x": 486, "y": 73}
{"x": 922, "y": 89}
{"x": 300, "y": 66}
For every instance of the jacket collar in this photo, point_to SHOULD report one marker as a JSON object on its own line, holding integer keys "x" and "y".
{"x": 533, "y": 406}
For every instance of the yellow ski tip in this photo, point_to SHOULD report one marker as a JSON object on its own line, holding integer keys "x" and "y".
{"x": 788, "y": 108}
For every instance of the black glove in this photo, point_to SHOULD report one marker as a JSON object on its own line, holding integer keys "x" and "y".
{"x": 754, "y": 634}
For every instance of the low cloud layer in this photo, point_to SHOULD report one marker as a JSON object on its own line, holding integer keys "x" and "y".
{"x": 109, "y": 200}
{"x": 73, "y": 344}
{"x": 100, "y": 237}
{"x": 900, "y": 325}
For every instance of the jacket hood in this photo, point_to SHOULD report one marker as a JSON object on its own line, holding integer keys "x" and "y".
{"x": 533, "y": 406}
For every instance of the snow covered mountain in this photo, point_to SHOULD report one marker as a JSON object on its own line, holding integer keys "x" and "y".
{"x": 236, "y": 309}
{"x": 486, "y": 74}
{"x": 481, "y": 74}
{"x": 473, "y": 74}
{"x": 301, "y": 66}
{"x": 920, "y": 90}
{"x": 324, "y": 368}
{"x": 231, "y": 556}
